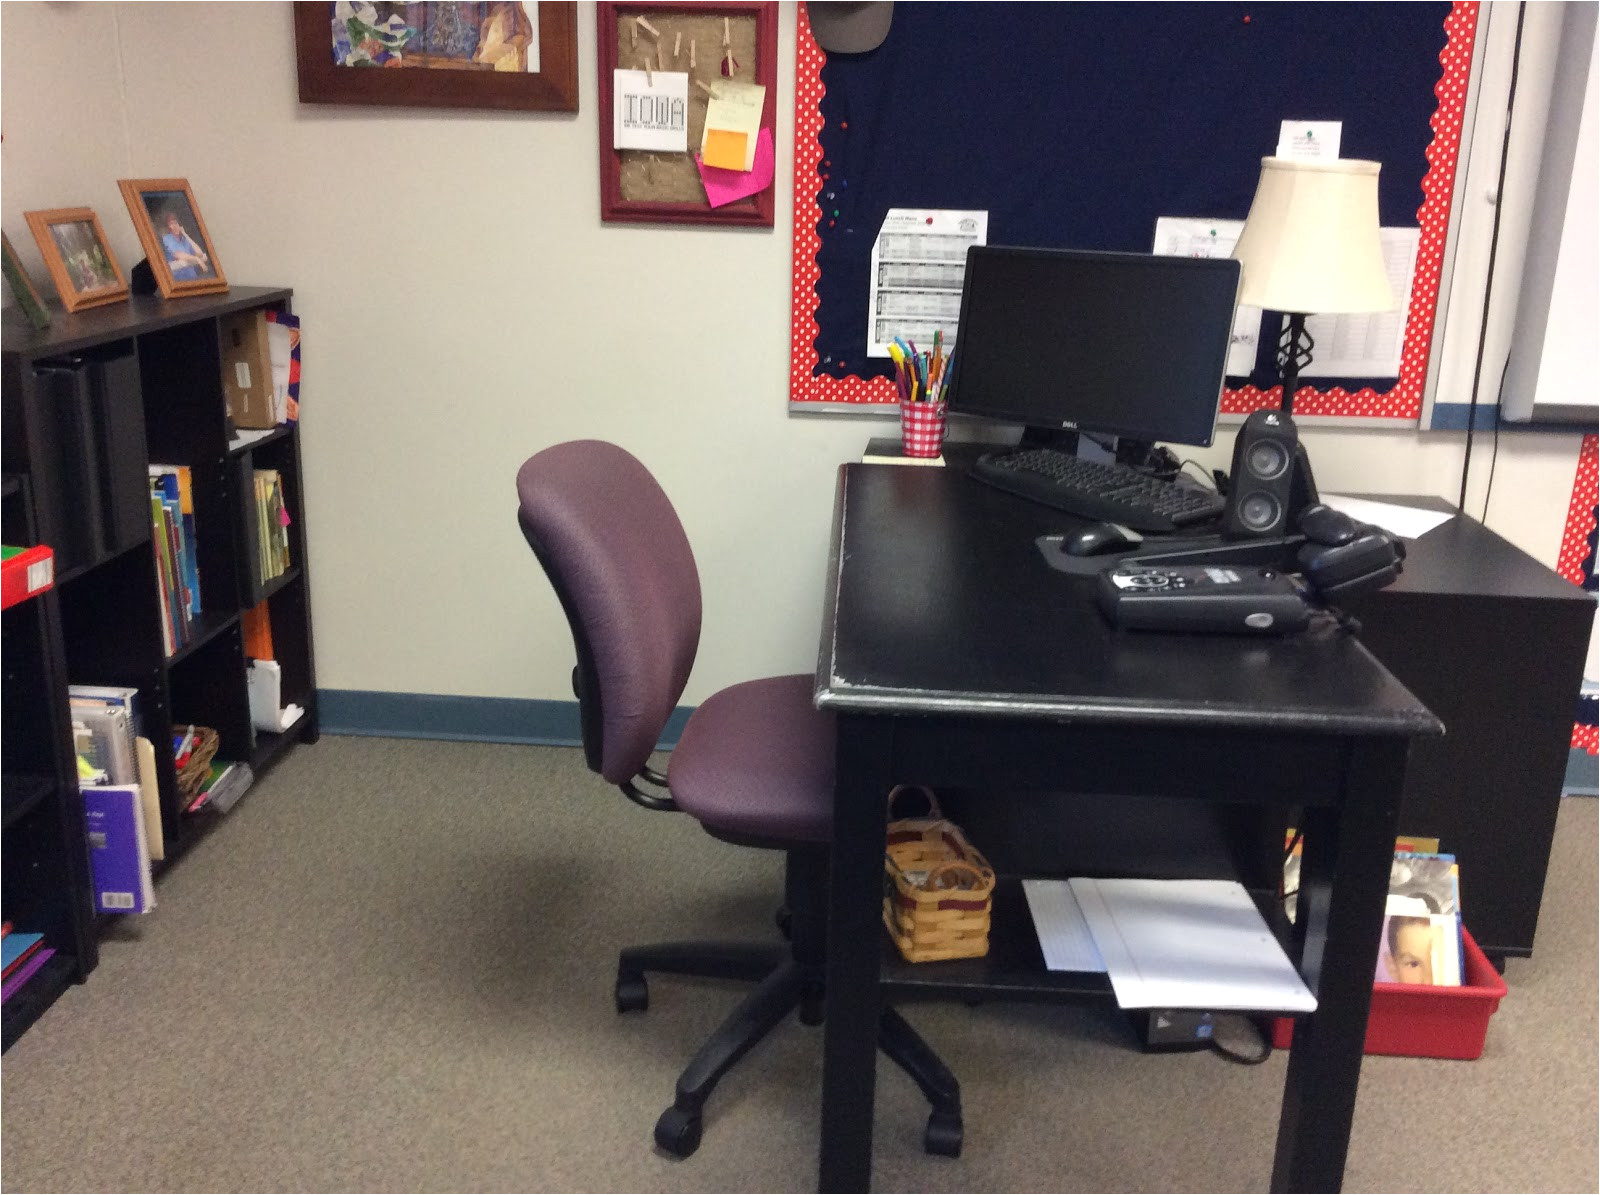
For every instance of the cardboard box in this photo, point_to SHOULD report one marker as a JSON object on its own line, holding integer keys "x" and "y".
{"x": 1429, "y": 1022}
{"x": 247, "y": 369}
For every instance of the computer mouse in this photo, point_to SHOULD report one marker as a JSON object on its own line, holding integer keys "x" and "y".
{"x": 1325, "y": 525}
{"x": 1100, "y": 537}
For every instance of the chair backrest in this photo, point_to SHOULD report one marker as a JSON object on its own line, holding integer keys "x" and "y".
{"x": 619, "y": 560}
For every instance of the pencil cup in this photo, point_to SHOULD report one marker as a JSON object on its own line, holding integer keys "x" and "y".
{"x": 922, "y": 428}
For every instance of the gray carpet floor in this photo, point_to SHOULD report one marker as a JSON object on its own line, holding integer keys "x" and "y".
{"x": 390, "y": 969}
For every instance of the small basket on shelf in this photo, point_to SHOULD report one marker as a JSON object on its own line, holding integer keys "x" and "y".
{"x": 938, "y": 888}
{"x": 192, "y": 772}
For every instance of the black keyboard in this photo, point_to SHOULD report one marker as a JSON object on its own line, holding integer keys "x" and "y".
{"x": 1093, "y": 490}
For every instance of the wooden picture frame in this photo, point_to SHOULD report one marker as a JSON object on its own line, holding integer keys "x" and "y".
{"x": 22, "y": 287}
{"x": 442, "y": 81}
{"x": 173, "y": 235}
{"x": 78, "y": 256}
{"x": 640, "y": 186}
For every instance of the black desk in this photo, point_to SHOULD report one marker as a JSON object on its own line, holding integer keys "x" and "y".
{"x": 954, "y": 656}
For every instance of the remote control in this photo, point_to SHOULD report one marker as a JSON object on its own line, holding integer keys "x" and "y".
{"x": 1238, "y": 599}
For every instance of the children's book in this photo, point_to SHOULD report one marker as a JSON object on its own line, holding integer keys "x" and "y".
{"x": 118, "y": 855}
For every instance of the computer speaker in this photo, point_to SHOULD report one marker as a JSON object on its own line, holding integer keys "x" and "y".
{"x": 1261, "y": 492}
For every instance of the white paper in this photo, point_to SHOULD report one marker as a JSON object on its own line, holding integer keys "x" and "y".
{"x": 650, "y": 110}
{"x": 1189, "y": 944}
{"x": 1408, "y": 522}
{"x": 263, "y": 683}
{"x": 1309, "y": 140}
{"x": 1368, "y": 346}
{"x": 918, "y": 262}
{"x": 1064, "y": 936}
{"x": 1178, "y": 236}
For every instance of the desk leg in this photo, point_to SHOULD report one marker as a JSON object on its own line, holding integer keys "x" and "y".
{"x": 855, "y": 892}
{"x": 1337, "y": 930}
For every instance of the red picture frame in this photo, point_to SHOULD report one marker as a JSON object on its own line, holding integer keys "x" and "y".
{"x": 757, "y": 210}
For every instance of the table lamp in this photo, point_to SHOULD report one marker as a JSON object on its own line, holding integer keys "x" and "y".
{"x": 1310, "y": 246}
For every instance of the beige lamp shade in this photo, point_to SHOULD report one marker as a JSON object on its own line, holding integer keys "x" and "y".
{"x": 1311, "y": 242}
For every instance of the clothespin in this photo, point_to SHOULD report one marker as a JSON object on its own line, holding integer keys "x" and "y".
{"x": 633, "y": 35}
{"x": 649, "y": 79}
{"x": 677, "y": 46}
{"x": 647, "y": 27}
{"x": 705, "y": 89}
{"x": 661, "y": 56}
{"x": 691, "y": 53}
{"x": 729, "y": 66}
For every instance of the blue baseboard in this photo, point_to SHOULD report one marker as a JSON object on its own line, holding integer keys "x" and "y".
{"x": 1583, "y": 774}
{"x": 475, "y": 719}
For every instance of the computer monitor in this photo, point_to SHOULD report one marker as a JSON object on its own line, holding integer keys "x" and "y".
{"x": 1125, "y": 344}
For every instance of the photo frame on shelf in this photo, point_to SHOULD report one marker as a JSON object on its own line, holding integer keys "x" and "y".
{"x": 174, "y": 236}
{"x": 511, "y": 61}
{"x": 78, "y": 256}
{"x": 701, "y": 40}
{"x": 22, "y": 287}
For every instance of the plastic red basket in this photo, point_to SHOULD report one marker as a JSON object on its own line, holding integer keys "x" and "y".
{"x": 1428, "y": 1022}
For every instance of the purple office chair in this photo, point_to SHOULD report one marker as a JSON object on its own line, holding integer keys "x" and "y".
{"x": 754, "y": 765}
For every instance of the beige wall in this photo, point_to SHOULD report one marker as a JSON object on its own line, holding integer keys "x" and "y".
{"x": 464, "y": 306}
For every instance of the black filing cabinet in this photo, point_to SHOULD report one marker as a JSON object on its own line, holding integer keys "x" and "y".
{"x": 1492, "y": 642}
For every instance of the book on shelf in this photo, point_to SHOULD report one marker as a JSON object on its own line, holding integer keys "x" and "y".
{"x": 15, "y": 982}
{"x": 16, "y": 949}
{"x": 283, "y": 345}
{"x": 118, "y": 857}
{"x": 272, "y": 525}
{"x": 257, "y": 623}
{"x": 103, "y": 735}
{"x": 172, "y": 521}
{"x": 25, "y": 572}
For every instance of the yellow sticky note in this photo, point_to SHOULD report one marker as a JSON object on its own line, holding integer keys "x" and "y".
{"x": 725, "y": 149}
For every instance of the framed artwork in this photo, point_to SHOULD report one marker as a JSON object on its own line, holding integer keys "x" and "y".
{"x": 173, "y": 235}
{"x": 78, "y": 257}
{"x": 22, "y": 288}
{"x": 710, "y": 44}
{"x": 513, "y": 57}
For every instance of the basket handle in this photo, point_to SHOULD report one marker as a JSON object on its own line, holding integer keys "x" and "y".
{"x": 927, "y": 794}
{"x": 948, "y": 875}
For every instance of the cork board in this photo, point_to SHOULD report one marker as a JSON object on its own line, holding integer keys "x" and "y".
{"x": 660, "y": 186}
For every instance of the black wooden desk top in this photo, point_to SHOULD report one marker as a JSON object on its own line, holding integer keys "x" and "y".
{"x": 939, "y": 601}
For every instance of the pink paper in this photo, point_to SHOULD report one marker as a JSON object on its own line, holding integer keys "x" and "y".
{"x": 725, "y": 186}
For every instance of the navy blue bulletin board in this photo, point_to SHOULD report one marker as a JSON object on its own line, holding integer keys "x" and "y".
{"x": 1079, "y": 124}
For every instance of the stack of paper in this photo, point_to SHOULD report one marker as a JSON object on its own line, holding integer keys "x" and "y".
{"x": 1168, "y": 943}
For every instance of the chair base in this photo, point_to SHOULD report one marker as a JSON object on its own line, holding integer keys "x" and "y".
{"x": 787, "y": 978}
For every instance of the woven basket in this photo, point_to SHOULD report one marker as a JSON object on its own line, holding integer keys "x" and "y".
{"x": 938, "y": 888}
{"x": 193, "y": 773}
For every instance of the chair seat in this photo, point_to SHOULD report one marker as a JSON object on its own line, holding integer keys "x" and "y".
{"x": 756, "y": 760}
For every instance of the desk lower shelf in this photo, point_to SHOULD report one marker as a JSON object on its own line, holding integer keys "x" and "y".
{"x": 1014, "y": 968}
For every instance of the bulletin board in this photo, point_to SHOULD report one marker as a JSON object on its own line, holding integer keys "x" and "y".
{"x": 1078, "y": 125}
{"x": 659, "y": 187}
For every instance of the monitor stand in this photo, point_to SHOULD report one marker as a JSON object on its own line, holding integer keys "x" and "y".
{"x": 1134, "y": 453}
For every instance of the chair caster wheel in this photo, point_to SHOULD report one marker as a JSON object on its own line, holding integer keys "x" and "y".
{"x": 678, "y": 1132}
{"x": 943, "y": 1135}
{"x": 633, "y": 994}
